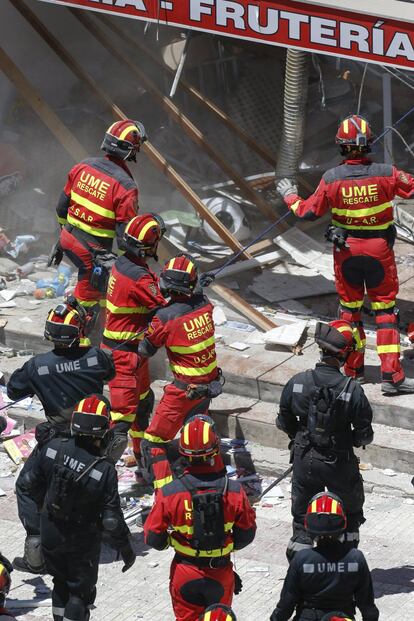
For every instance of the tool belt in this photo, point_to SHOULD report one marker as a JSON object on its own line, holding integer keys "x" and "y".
{"x": 102, "y": 263}
{"x": 213, "y": 563}
{"x": 87, "y": 239}
{"x": 388, "y": 234}
{"x": 201, "y": 391}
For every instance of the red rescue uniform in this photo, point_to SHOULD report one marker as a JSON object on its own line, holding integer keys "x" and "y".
{"x": 359, "y": 193}
{"x": 132, "y": 297}
{"x": 199, "y": 578}
{"x": 186, "y": 328}
{"x": 99, "y": 198}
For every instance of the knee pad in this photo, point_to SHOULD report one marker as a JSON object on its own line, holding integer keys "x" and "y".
{"x": 33, "y": 551}
{"x": 76, "y": 609}
{"x": 116, "y": 445}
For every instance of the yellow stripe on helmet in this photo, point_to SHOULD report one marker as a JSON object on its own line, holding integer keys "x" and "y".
{"x": 110, "y": 128}
{"x": 206, "y": 429}
{"x": 334, "y": 506}
{"x": 101, "y": 407}
{"x": 314, "y": 506}
{"x": 186, "y": 438}
{"x": 363, "y": 126}
{"x": 69, "y": 316}
{"x": 145, "y": 229}
{"x": 80, "y": 405}
{"x": 207, "y": 616}
{"x": 130, "y": 128}
{"x": 345, "y": 125}
{"x": 170, "y": 265}
{"x": 190, "y": 266}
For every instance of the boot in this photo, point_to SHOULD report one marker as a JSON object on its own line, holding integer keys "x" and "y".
{"x": 405, "y": 387}
{"x": 32, "y": 561}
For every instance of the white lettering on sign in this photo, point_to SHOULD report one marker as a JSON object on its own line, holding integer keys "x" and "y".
{"x": 295, "y": 21}
{"x": 323, "y": 31}
{"x": 199, "y": 8}
{"x": 230, "y": 14}
{"x": 352, "y": 33}
{"x": 401, "y": 46}
{"x": 268, "y": 25}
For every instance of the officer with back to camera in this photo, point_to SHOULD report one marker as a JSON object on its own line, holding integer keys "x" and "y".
{"x": 326, "y": 414}
{"x": 76, "y": 488}
{"x": 59, "y": 378}
{"x": 329, "y": 576}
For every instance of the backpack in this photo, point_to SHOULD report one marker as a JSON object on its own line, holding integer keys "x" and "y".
{"x": 208, "y": 515}
{"x": 325, "y": 401}
{"x": 65, "y": 487}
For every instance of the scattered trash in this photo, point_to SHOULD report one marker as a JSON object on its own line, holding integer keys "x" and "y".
{"x": 54, "y": 287}
{"x": 239, "y": 325}
{"x": 21, "y": 446}
{"x": 389, "y": 473}
{"x": 20, "y": 244}
{"x": 367, "y": 466}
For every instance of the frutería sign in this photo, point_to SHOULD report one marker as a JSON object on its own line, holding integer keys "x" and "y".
{"x": 287, "y": 23}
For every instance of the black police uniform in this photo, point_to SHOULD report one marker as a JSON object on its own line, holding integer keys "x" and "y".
{"x": 60, "y": 379}
{"x": 328, "y": 577}
{"x": 315, "y": 468}
{"x": 71, "y": 546}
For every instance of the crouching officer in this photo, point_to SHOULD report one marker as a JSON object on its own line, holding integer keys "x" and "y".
{"x": 77, "y": 489}
{"x": 326, "y": 414}
{"x": 218, "y": 612}
{"x": 186, "y": 328}
{"x": 59, "y": 378}
{"x": 203, "y": 516}
{"x": 330, "y": 576}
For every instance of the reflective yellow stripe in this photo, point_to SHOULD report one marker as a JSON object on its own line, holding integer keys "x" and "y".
{"x": 368, "y": 227}
{"x": 122, "y": 336}
{"x": 68, "y": 317}
{"x": 186, "y": 436}
{"x": 90, "y": 229}
{"x": 363, "y": 126}
{"x": 170, "y": 264}
{"x": 357, "y": 304}
{"x": 345, "y": 126}
{"x": 382, "y": 305}
{"x": 361, "y": 213}
{"x": 189, "y": 530}
{"x": 207, "y": 616}
{"x": 85, "y": 202}
{"x": 145, "y": 228}
{"x": 156, "y": 439}
{"x": 129, "y": 418}
{"x": 136, "y": 434}
{"x": 186, "y": 551}
{"x": 190, "y": 349}
{"x": 102, "y": 303}
{"x": 193, "y": 371}
{"x": 88, "y": 303}
{"x": 190, "y": 266}
{"x": 80, "y": 406}
{"x": 101, "y": 406}
{"x": 61, "y": 220}
{"x": 85, "y": 342}
{"x": 294, "y": 206}
{"x": 334, "y": 506}
{"x": 130, "y": 128}
{"x": 388, "y": 349}
{"x": 313, "y": 507}
{"x": 143, "y": 395}
{"x": 206, "y": 430}
{"x": 344, "y": 329}
{"x": 126, "y": 310}
{"x": 158, "y": 483}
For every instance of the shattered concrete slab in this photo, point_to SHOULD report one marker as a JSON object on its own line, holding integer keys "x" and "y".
{"x": 287, "y": 281}
{"x": 307, "y": 251}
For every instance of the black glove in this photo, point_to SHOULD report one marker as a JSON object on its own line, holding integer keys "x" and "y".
{"x": 128, "y": 556}
{"x": 56, "y": 255}
{"x": 337, "y": 236}
{"x": 274, "y": 617}
{"x": 206, "y": 279}
{"x": 238, "y": 584}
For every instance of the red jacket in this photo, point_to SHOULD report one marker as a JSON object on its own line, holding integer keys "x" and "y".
{"x": 186, "y": 328}
{"x": 99, "y": 195}
{"x": 132, "y": 296}
{"x": 358, "y": 193}
{"x": 172, "y": 511}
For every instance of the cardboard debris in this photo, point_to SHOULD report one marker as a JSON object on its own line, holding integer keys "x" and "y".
{"x": 20, "y": 447}
{"x": 306, "y": 251}
{"x": 288, "y": 335}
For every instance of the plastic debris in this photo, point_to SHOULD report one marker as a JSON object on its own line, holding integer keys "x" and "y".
{"x": 20, "y": 244}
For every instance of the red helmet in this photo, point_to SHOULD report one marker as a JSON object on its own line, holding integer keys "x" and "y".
{"x": 198, "y": 438}
{"x": 218, "y": 612}
{"x": 336, "y": 616}
{"x": 142, "y": 234}
{"x": 91, "y": 417}
{"x": 325, "y": 515}
{"x": 336, "y": 337}
{"x": 179, "y": 275}
{"x": 354, "y": 131}
{"x": 123, "y": 139}
{"x": 5, "y": 582}
{"x": 65, "y": 324}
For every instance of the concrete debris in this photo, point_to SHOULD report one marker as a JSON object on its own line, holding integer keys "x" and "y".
{"x": 287, "y": 281}
{"x": 261, "y": 261}
{"x": 239, "y": 325}
{"x": 288, "y": 335}
{"x": 404, "y": 222}
{"x": 306, "y": 251}
{"x": 239, "y": 346}
{"x": 389, "y": 472}
{"x": 219, "y": 316}
{"x": 275, "y": 492}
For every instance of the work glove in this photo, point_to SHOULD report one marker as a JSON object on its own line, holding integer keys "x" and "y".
{"x": 274, "y": 615}
{"x": 337, "y": 236}
{"x": 238, "y": 584}
{"x": 56, "y": 255}
{"x": 206, "y": 279}
{"x": 128, "y": 556}
{"x": 286, "y": 186}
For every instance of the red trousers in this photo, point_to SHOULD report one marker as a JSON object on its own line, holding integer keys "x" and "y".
{"x": 193, "y": 589}
{"x": 169, "y": 417}
{"x": 128, "y": 391}
{"x": 368, "y": 265}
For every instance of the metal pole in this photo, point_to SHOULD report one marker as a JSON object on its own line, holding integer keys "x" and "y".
{"x": 387, "y": 116}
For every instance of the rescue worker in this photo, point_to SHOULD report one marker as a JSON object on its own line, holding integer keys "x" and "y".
{"x": 132, "y": 297}
{"x": 218, "y": 612}
{"x": 100, "y": 197}
{"x": 204, "y": 516}
{"x": 5, "y": 582}
{"x": 186, "y": 328}
{"x": 325, "y": 415}
{"x": 59, "y": 378}
{"x": 359, "y": 194}
{"x": 328, "y": 576}
{"x": 77, "y": 490}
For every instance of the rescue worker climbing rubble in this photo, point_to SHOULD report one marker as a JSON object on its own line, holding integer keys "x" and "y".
{"x": 186, "y": 328}
{"x": 133, "y": 296}
{"x": 76, "y": 488}
{"x": 325, "y": 415}
{"x": 203, "y": 516}
{"x": 59, "y": 378}
{"x": 359, "y": 194}
{"x": 328, "y": 576}
{"x": 99, "y": 198}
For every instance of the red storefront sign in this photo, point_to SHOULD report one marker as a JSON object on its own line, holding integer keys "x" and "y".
{"x": 285, "y": 23}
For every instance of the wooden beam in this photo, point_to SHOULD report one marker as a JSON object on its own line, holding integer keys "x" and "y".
{"x": 203, "y": 100}
{"x": 237, "y": 302}
{"x": 45, "y": 113}
{"x": 154, "y": 155}
{"x": 181, "y": 119}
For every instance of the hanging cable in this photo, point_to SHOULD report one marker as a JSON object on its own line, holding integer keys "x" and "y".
{"x": 361, "y": 86}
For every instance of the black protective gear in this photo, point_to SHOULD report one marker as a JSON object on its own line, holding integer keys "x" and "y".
{"x": 238, "y": 583}
{"x": 337, "y": 236}
{"x": 103, "y": 261}
{"x": 325, "y": 578}
{"x": 128, "y": 556}
{"x": 32, "y": 561}
{"x": 116, "y": 442}
{"x": 206, "y": 279}
{"x": 55, "y": 255}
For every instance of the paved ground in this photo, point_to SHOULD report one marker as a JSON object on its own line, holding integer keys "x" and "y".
{"x": 142, "y": 593}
